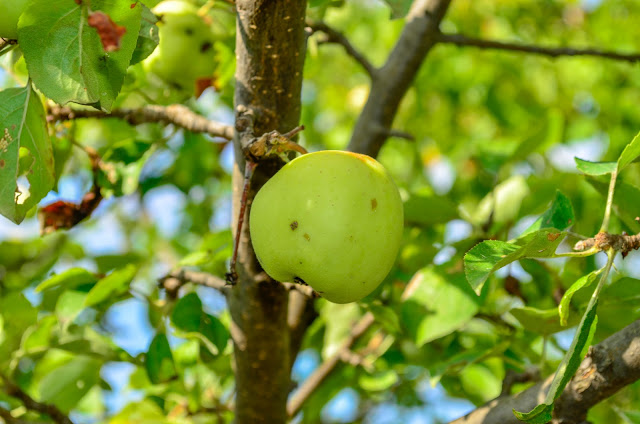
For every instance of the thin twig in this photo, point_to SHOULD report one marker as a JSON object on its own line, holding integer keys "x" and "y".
{"x": 178, "y": 115}
{"x": 51, "y": 410}
{"x": 249, "y": 168}
{"x": 322, "y": 372}
{"x": 4, "y": 42}
{"x": 463, "y": 40}
{"x": 176, "y": 279}
{"x": 335, "y": 36}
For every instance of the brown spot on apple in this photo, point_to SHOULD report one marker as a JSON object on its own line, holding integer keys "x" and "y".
{"x": 307, "y": 237}
{"x": 2, "y": 163}
{"x": 294, "y": 225}
{"x": 374, "y": 204}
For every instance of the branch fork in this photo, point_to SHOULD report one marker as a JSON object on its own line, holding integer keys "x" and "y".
{"x": 622, "y": 243}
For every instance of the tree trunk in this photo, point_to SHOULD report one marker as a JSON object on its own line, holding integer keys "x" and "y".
{"x": 270, "y": 49}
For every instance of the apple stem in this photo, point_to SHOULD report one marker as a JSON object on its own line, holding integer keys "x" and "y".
{"x": 249, "y": 168}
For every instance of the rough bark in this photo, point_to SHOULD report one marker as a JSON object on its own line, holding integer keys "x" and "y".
{"x": 270, "y": 45}
{"x": 608, "y": 367}
{"x": 391, "y": 82}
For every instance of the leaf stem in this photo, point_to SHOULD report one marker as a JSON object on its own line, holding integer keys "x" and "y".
{"x": 588, "y": 252}
{"x": 607, "y": 212}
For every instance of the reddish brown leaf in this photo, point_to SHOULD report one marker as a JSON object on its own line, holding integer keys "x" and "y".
{"x": 109, "y": 32}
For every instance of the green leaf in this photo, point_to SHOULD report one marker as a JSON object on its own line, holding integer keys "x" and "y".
{"x": 111, "y": 286}
{"x": 582, "y": 282}
{"x": 491, "y": 255}
{"x": 187, "y": 313}
{"x": 189, "y": 317}
{"x": 67, "y": 384}
{"x": 570, "y": 362}
{"x": 540, "y": 321}
{"x": 378, "y": 381}
{"x": 429, "y": 210}
{"x": 541, "y": 414}
{"x": 148, "y": 37}
{"x": 559, "y": 215}
{"x": 630, "y": 153}
{"x": 632, "y": 417}
{"x": 626, "y": 201}
{"x": 25, "y": 151}
{"x": 503, "y": 203}
{"x": 386, "y": 317}
{"x": 159, "y": 361}
{"x": 16, "y": 315}
{"x": 143, "y": 412}
{"x": 438, "y": 306}
{"x": 69, "y": 305}
{"x": 595, "y": 168}
{"x": 70, "y": 278}
{"x": 65, "y": 56}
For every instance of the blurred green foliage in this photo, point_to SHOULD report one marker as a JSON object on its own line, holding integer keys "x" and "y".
{"x": 495, "y": 138}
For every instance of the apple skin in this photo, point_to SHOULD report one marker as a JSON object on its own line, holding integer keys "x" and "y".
{"x": 332, "y": 219}
{"x": 10, "y": 11}
{"x": 185, "y": 52}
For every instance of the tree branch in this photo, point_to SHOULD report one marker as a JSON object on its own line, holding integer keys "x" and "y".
{"x": 4, "y": 42}
{"x": 608, "y": 367}
{"x": 10, "y": 419}
{"x": 463, "y": 40}
{"x": 51, "y": 410}
{"x": 334, "y": 36}
{"x": 322, "y": 372}
{"x": 392, "y": 81}
{"x": 177, "y": 114}
{"x": 173, "y": 281}
{"x": 270, "y": 52}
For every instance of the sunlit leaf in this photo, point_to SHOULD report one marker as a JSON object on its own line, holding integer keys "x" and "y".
{"x": 111, "y": 286}
{"x": 437, "y": 306}
{"x": 67, "y": 384}
{"x": 26, "y": 155}
{"x": 563, "y": 308}
{"x": 73, "y": 277}
{"x": 559, "y": 215}
{"x": 595, "y": 168}
{"x": 159, "y": 361}
{"x": 491, "y": 255}
{"x": 65, "y": 56}
{"x": 630, "y": 153}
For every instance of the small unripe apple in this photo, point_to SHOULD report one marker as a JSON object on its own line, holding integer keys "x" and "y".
{"x": 10, "y": 11}
{"x": 330, "y": 219}
{"x": 185, "y": 52}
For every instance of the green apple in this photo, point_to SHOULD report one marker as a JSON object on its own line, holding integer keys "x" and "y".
{"x": 10, "y": 11}
{"x": 185, "y": 52}
{"x": 330, "y": 219}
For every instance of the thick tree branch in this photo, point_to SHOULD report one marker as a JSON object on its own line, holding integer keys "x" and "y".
{"x": 322, "y": 372}
{"x": 463, "y": 40}
{"x": 392, "y": 81}
{"x": 334, "y": 36}
{"x": 608, "y": 367}
{"x": 270, "y": 51}
{"x": 51, "y": 410}
{"x": 178, "y": 115}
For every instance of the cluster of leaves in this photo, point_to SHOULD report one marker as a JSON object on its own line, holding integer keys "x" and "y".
{"x": 492, "y": 123}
